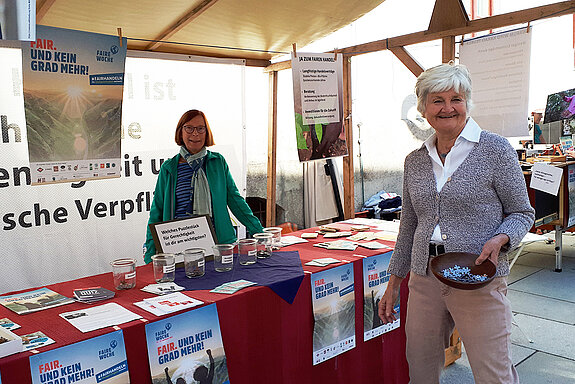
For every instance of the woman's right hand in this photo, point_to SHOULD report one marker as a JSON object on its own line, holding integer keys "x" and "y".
{"x": 385, "y": 307}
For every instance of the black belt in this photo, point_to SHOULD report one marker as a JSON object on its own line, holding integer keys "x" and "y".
{"x": 436, "y": 249}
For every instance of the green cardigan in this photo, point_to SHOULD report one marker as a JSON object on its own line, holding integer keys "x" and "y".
{"x": 224, "y": 194}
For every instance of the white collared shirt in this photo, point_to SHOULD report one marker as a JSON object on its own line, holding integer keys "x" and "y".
{"x": 464, "y": 144}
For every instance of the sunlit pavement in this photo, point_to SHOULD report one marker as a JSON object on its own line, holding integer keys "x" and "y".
{"x": 543, "y": 304}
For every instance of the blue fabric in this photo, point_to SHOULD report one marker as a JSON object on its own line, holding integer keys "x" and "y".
{"x": 282, "y": 273}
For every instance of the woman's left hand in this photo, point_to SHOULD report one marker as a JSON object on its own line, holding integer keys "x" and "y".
{"x": 491, "y": 248}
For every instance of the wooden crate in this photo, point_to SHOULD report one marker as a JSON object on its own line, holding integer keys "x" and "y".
{"x": 453, "y": 352}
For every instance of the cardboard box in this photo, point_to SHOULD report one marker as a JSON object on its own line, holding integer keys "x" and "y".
{"x": 13, "y": 345}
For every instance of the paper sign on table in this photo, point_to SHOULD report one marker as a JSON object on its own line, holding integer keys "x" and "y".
{"x": 546, "y": 178}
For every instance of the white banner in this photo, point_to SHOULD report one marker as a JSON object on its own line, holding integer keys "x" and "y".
{"x": 499, "y": 65}
{"x": 59, "y": 232}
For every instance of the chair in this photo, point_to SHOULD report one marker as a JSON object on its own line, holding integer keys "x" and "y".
{"x": 288, "y": 227}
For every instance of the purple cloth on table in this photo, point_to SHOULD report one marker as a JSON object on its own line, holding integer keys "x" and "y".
{"x": 282, "y": 273}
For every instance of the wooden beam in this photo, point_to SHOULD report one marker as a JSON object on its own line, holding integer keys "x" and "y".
{"x": 493, "y": 22}
{"x": 407, "y": 60}
{"x": 448, "y": 14}
{"x": 279, "y": 66}
{"x": 447, "y": 49}
{"x": 348, "y": 171}
{"x": 499, "y": 21}
{"x": 167, "y": 48}
{"x": 42, "y": 9}
{"x": 257, "y": 63}
{"x": 272, "y": 145}
{"x": 181, "y": 23}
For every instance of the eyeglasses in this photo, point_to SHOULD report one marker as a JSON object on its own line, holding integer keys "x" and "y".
{"x": 189, "y": 129}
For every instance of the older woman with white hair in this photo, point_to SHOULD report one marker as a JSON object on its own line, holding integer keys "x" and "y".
{"x": 463, "y": 191}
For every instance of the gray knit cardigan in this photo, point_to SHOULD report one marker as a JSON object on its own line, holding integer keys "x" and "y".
{"x": 485, "y": 196}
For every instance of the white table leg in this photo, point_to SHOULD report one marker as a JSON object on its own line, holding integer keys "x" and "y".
{"x": 558, "y": 248}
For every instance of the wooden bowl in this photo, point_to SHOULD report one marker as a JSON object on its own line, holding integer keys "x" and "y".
{"x": 462, "y": 259}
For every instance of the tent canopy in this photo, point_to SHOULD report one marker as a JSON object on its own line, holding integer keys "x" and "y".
{"x": 256, "y": 30}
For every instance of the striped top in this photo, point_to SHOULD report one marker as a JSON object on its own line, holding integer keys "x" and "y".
{"x": 183, "y": 190}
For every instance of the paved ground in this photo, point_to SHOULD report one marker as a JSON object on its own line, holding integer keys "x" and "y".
{"x": 543, "y": 304}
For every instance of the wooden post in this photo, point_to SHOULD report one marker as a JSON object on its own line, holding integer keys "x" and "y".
{"x": 272, "y": 144}
{"x": 348, "y": 171}
{"x": 447, "y": 49}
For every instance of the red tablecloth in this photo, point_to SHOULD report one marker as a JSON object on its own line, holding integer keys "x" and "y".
{"x": 266, "y": 340}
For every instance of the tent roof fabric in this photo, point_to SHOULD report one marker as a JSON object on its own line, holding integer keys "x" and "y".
{"x": 254, "y": 29}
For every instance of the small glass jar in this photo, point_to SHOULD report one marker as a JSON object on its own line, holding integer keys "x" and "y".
{"x": 264, "y": 244}
{"x": 124, "y": 271}
{"x": 223, "y": 257}
{"x": 194, "y": 262}
{"x": 276, "y": 236}
{"x": 164, "y": 267}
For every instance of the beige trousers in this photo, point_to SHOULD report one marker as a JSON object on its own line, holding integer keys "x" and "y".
{"x": 483, "y": 318}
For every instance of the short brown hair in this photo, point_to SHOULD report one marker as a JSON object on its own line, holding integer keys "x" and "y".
{"x": 189, "y": 115}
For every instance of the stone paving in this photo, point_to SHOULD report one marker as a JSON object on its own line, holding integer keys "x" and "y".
{"x": 543, "y": 304}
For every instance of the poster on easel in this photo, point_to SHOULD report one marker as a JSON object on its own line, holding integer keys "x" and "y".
{"x": 318, "y": 105}
{"x": 187, "y": 348}
{"x": 375, "y": 280}
{"x": 73, "y": 85}
{"x": 101, "y": 359}
{"x": 333, "y": 300}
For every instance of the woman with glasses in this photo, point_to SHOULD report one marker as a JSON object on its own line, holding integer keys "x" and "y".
{"x": 198, "y": 182}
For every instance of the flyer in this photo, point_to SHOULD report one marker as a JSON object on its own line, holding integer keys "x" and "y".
{"x": 8, "y": 324}
{"x": 35, "y": 340}
{"x": 101, "y": 316}
{"x": 100, "y": 359}
{"x": 73, "y": 87}
{"x": 375, "y": 280}
{"x": 33, "y": 301}
{"x": 187, "y": 348}
{"x": 333, "y": 299}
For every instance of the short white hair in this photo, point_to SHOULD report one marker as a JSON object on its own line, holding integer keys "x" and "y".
{"x": 441, "y": 78}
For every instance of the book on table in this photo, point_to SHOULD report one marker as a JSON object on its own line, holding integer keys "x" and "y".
{"x": 32, "y": 301}
{"x": 93, "y": 294}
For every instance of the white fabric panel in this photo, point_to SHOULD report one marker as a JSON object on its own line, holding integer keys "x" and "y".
{"x": 72, "y": 232}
